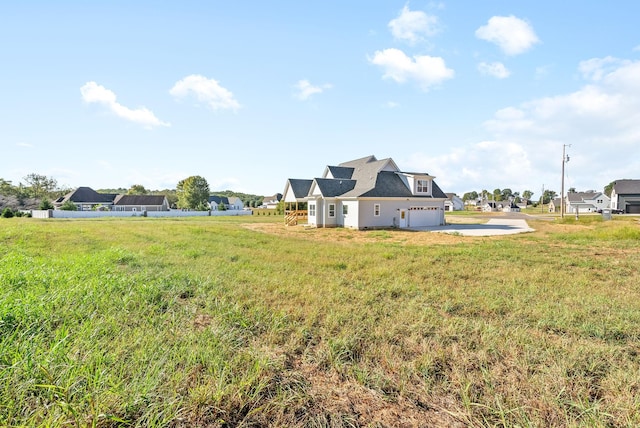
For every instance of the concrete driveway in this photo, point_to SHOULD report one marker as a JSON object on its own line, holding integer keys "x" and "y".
{"x": 495, "y": 226}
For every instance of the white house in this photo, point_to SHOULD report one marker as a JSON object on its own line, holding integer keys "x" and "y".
{"x": 453, "y": 203}
{"x": 625, "y": 196}
{"x": 586, "y": 202}
{"x": 369, "y": 193}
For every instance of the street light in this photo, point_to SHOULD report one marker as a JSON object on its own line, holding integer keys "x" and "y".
{"x": 565, "y": 159}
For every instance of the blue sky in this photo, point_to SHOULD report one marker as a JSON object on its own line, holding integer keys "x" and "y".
{"x": 482, "y": 95}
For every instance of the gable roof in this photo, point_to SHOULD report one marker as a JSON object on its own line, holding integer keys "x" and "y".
{"x": 300, "y": 188}
{"x": 332, "y": 187}
{"x": 149, "y": 200}
{"x": 87, "y": 195}
{"x": 582, "y": 196}
{"x": 219, "y": 199}
{"x": 364, "y": 177}
{"x": 343, "y": 172}
{"x": 625, "y": 187}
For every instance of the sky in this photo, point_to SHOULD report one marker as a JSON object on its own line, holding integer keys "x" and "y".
{"x": 480, "y": 94}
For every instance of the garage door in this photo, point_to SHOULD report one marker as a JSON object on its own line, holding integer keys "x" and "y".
{"x": 633, "y": 209}
{"x": 424, "y": 216}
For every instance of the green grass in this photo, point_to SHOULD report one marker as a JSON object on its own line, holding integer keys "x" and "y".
{"x": 202, "y": 321}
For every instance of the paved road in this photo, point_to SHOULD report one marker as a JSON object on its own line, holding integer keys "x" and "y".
{"x": 495, "y": 226}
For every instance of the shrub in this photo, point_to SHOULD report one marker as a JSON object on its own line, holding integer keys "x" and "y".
{"x": 7, "y": 213}
{"x": 46, "y": 205}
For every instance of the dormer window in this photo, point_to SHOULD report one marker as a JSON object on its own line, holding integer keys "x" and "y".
{"x": 422, "y": 186}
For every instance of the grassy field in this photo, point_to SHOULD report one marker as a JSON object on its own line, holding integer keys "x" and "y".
{"x": 238, "y": 321}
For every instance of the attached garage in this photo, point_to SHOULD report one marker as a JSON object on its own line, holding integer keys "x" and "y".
{"x": 633, "y": 208}
{"x": 424, "y": 216}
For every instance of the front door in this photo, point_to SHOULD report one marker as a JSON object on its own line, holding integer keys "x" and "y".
{"x": 403, "y": 219}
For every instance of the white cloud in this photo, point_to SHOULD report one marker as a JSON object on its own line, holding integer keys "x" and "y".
{"x": 601, "y": 120}
{"x": 495, "y": 69}
{"x": 513, "y": 35}
{"x": 26, "y": 145}
{"x": 205, "y": 90}
{"x": 426, "y": 70}
{"x": 94, "y": 93}
{"x": 306, "y": 89}
{"x": 596, "y": 68}
{"x": 413, "y": 26}
{"x": 392, "y": 104}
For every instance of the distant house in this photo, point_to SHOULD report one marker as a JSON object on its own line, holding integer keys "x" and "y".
{"x": 217, "y": 202}
{"x": 86, "y": 199}
{"x": 586, "y": 202}
{"x": 271, "y": 202}
{"x": 625, "y": 196}
{"x": 369, "y": 193}
{"x": 509, "y": 207}
{"x": 140, "y": 203}
{"x": 235, "y": 203}
{"x": 453, "y": 203}
{"x": 489, "y": 206}
{"x": 229, "y": 203}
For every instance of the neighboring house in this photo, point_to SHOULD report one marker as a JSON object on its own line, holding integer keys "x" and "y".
{"x": 369, "y": 193}
{"x": 625, "y": 196}
{"x": 271, "y": 202}
{"x": 215, "y": 201}
{"x": 586, "y": 202}
{"x": 86, "y": 199}
{"x": 489, "y": 206}
{"x": 509, "y": 207}
{"x": 140, "y": 203}
{"x": 453, "y": 203}
{"x": 554, "y": 205}
{"x": 230, "y": 203}
{"x": 235, "y": 203}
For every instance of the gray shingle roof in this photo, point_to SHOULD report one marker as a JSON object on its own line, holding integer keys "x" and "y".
{"x": 219, "y": 199}
{"x": 87, "y": 195}
{"x": 300, "y": 187}
{"x": 627, "y": 187}
{"x": 341, "y": 172}
{"x": 148, "y": 200}
{"x": 331, "y": 187}
{"x": 369, "y": 177}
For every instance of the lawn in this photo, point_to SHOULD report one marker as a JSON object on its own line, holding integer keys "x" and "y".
{"x": 240, "y": 321}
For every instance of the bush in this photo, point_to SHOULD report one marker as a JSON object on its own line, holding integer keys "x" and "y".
{"x": 7, "y": 213}
{"x": 46, "y": 205}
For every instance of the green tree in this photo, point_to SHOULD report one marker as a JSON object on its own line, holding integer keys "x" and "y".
{"x": 609, "y": 188}
{"x": 68, "y": 206}
{"x": 548, "y": 196}
{"x": 505, "y": 194}
{"x": 5, "y": 187}
{"x": 527, "y": 194}
{"x": 497, "y": 193}
{"x": 40, "y": 185}
{"x": 193, "y": 192}
{"x": 46, "y": 205}
{"x": 222, "y": 206}
{"x": 469, "y": 196}
{"x": 137, "y": 189}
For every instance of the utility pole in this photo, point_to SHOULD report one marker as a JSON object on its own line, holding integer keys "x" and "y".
{"x": 565, "y": 159}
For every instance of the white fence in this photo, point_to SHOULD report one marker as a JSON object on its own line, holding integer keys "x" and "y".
{"x": 100, "y": 214}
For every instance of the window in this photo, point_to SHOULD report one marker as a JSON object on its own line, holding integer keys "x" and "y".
{"x": 345, "y": 209}
{"x": 332, "y": 210}
{"x": 422, "y": 186}
{"x": 312, "y": 210}
{"x": 376, "y": 210}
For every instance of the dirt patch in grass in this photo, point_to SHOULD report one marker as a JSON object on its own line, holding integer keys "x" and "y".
{"x": 354, "y": 404}
{"x": 344, "y": 235}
